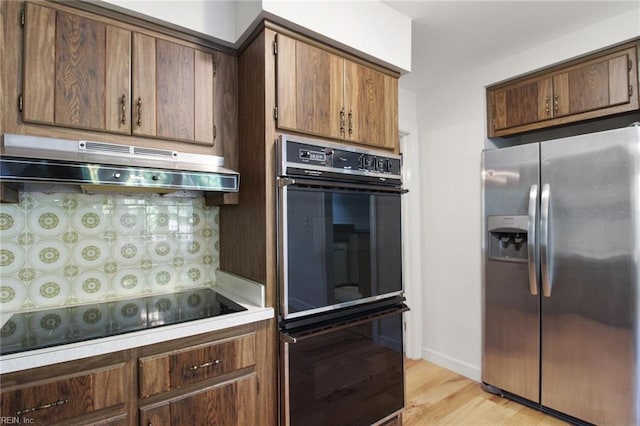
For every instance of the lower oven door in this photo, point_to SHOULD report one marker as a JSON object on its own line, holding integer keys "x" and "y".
{"x": 339, "y": 245}
{"x": 351, "y": 373}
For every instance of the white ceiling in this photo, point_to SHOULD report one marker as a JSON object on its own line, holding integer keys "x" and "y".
{"x": 450, "y": 35}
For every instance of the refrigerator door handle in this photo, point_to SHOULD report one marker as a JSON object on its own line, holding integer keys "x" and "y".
{"x": 545, "y": 199}
{"x": 531, "y": 240}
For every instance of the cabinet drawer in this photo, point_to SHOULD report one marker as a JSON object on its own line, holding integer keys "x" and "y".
{"x": 175, "y": 369}
{"x": 71, "y": 396}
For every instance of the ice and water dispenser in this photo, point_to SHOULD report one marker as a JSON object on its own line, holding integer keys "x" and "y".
{"x": 508, "y": 238}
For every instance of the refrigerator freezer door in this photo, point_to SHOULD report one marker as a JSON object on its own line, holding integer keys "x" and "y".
{"x": 510, "y": 358}
{"x": 590, "y": 311}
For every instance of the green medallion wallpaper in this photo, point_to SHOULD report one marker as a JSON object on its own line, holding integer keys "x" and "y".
{"x": 63, "y": 249}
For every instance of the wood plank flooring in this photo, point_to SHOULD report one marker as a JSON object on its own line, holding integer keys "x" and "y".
{"x": 436, "y": 396}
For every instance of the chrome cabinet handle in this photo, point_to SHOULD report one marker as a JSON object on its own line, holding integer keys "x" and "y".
{"x": 342, "y": 125}
{"x": 556, "y": 103}
{"x": 350, "y": 123}
{"x": 531, "y": 240}
{"x": 139, "y": 104}
{"x": 43, "y": 407}
{"x": 123, "y": 105}
{"x": 205, "y": 365}
{"x": 545, "y": 200}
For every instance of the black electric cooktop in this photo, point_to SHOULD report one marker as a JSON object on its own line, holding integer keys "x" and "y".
{"x": 27, "y": 331}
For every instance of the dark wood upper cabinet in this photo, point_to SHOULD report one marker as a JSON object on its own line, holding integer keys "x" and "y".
{"x": 173, "y": 91}
{"x": 371, "y": 99}
{"x": 76, "y": 71}
{"x": 596, "y": 86}
{"x": 90, "y": 74}
{"x": 324, "y": 94}
{"x": 310, "y": 84}
{"x": 521, "y": 104}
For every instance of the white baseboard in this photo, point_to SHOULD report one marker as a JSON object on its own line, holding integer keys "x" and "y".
{"x": 471, "y": 371}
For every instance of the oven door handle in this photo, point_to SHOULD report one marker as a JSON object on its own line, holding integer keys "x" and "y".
{"x": 295, "y": 337}
{"x": 286, "y": 181}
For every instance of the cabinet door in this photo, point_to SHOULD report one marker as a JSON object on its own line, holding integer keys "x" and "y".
{"x": 309, "y": 88}
{"x": 144, "y": 85}
{"x": 156, "y": 416}
{"x": 230, "y": 403}
{"x": 173, "y": 90}
{"x": 76, "y": 71}
{"x": 525, "y": 103}
{"x": 372, "y": 106}
{"x": 233, "y": 403}
{"x": 598, "y": 84}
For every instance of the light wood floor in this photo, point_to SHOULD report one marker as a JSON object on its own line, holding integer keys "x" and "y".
{"x": 436, "y": 396}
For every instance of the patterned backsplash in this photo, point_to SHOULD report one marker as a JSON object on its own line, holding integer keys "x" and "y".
{"x": 63, "y": 249}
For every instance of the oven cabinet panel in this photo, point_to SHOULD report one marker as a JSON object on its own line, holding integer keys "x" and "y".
{"x": 338, "y": 248}
{"x": 228, "y": 403}
{"x": 350, "y": 376}
{"x": 176, "y": 369}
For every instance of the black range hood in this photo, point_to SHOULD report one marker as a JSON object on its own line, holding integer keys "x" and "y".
{"x": 31, "y": 159}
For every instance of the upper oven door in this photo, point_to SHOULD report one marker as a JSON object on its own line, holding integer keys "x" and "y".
{"x": 339, "y": 245}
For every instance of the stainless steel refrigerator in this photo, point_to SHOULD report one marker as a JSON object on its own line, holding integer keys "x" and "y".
{"x": 561, "y": 248}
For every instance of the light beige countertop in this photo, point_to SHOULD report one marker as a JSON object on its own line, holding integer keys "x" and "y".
{"x": 244, "y": 292}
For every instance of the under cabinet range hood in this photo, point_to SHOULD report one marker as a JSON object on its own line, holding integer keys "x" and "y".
{"x": 32, "y": 159}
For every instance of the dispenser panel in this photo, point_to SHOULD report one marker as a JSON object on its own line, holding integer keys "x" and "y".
{"x": 508, "y": 238}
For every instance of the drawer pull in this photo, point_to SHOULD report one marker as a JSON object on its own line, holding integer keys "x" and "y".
{"x": 205, "y": 365}
{"x": 42, "y": 407}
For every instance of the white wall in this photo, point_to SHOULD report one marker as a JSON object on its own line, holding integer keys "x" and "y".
{"x": 411, "y": 222}
{"x": 452, "y": 134}
{"x": 368, "y": 28}
{"x": 212, "y": 18}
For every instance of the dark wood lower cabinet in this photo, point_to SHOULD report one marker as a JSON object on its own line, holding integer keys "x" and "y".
{"x": 208, "y": 379}
{"x": 92, "y": 391}
{"x": 229, "y": 403}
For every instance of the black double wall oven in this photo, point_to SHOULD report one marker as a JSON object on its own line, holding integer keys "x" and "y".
{"x": 340, "y": 283}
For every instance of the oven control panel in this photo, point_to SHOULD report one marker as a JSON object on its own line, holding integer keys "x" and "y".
{"x": 331, "y": 157}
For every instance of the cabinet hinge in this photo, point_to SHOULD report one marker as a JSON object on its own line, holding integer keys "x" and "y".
{"x": 275, "y": 45}
{"x": 20, "y": 102}
{"x": 275, "y": 112}
{"x": 22, "y": 20}
{"x": 215, "y": 131}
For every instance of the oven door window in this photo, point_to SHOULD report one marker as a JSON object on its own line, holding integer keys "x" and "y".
{"x": 343, "y": 247}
